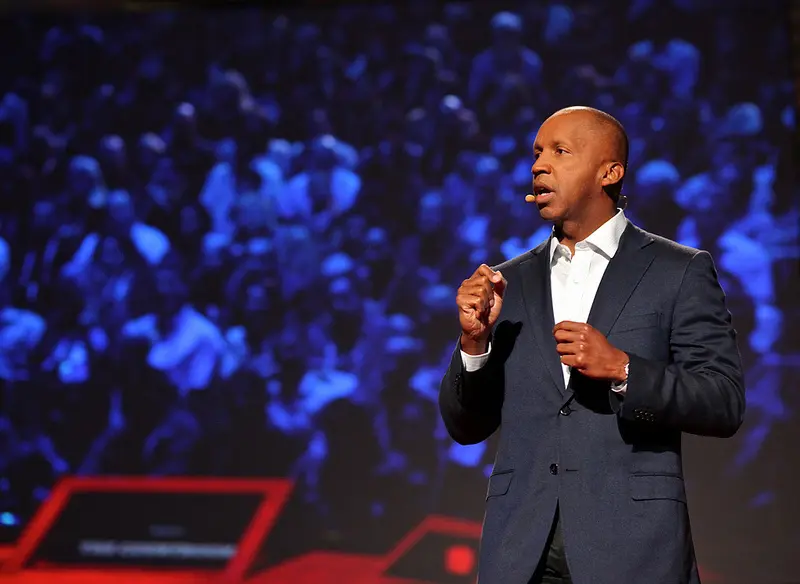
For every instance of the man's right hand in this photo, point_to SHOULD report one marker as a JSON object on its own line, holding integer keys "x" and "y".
{"x": 479, "y": 300}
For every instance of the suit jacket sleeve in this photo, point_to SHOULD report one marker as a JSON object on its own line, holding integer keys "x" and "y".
{"x": 702, "y": 390}
{"x": 471, "y": 402}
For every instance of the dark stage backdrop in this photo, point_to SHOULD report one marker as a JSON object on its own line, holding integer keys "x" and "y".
{"x": 230, "y": 243}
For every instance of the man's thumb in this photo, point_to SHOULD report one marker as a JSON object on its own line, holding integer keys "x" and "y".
{"x": 499, "y": 283}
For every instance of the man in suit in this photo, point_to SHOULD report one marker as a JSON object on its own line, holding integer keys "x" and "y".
{"x": 592, "y": 354}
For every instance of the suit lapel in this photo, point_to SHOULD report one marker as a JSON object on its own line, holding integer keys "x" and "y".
{"x": 621, "y": 277}
{"x": 535, "y": 274}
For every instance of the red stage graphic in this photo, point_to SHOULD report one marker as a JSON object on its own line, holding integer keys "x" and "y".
{"x": 21, "y": 563}
{"x": 440, "y": 550}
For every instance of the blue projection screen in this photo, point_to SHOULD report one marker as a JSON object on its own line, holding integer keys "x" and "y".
{"x": 230, "y": 243}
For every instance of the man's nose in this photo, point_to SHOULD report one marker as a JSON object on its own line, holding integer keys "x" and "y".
{"x": 540, "y": 167}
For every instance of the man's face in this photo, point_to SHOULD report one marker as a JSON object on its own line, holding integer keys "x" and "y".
{"x": 567, "y": 167}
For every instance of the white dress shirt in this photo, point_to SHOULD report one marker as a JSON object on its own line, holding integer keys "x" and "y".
{"x": 574, "y": 280}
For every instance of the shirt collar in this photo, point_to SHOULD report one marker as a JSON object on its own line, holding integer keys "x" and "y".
{"x": 604, "y": 239}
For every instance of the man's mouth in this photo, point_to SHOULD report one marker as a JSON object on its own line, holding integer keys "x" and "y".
{"x": 542, "y": 191}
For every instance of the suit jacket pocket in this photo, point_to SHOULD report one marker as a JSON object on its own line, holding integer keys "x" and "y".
{"x": 632, "y": 322}
{"x": 652, "y": 487}
{"x": 499, "y": 483}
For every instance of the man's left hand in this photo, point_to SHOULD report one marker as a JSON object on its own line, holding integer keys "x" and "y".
{"x": 585, "y": 349}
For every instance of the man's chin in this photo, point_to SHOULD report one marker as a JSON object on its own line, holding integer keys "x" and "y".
{"x": 549, "y": 213}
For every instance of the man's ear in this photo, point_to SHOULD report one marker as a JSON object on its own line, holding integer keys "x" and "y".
{"x": 614, "y": 174}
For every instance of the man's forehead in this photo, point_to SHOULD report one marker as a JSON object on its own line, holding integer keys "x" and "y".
{"x": 571, "y": 126}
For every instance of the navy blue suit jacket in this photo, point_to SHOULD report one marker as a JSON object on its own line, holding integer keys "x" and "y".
{"x": 612, "y": 464}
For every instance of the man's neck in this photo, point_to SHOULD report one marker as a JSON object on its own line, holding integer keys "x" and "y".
{"x": 570, "y": 232}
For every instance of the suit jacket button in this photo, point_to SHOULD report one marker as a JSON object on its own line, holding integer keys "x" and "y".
{"x": 554, "y": 469}
{"x": 565, "y": 411}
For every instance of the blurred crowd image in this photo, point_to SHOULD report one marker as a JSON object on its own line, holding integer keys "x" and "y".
{"x": 230, "y": 241}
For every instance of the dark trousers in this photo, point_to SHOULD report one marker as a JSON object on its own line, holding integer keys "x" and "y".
{"x": 552, "y": 567}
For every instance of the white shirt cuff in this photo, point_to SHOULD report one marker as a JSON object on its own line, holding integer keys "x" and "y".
{"x": 619, "y": 387}
{"x": 475, "y": 362}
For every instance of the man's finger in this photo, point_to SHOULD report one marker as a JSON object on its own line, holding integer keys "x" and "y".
{"x": 477, "y": 288}
{"x": 575, "y": 361}
{"x": 469, "y": 302}
{"x": 567, "y": 336}
{"x": 569, "y": 348}
{"x": 480, "y": 292}
{"x": 496, "y": 279}
{"x": 484, "y": 270}
{"x": 568, "y": 325}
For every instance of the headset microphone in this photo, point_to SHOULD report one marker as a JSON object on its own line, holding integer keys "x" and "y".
{"x": 530, "y": 198}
